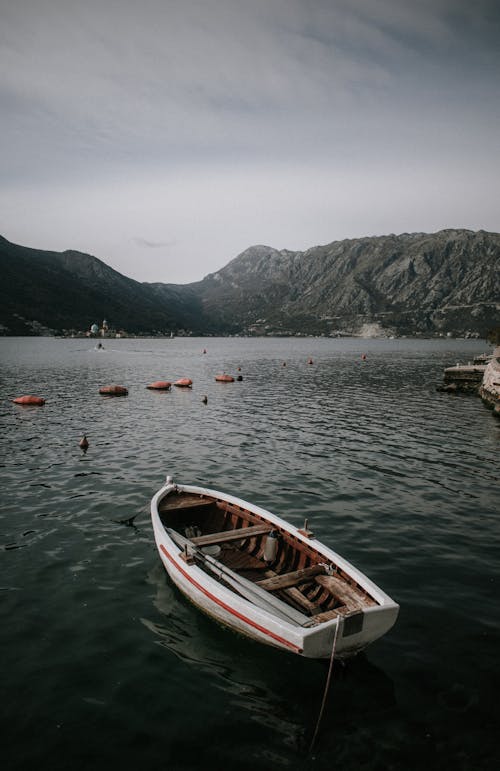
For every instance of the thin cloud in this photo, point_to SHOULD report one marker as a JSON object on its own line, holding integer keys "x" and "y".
{"x": 153, "y": 244}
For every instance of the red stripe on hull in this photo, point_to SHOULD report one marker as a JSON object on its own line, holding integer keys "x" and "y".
{"x": 229, "y": 609}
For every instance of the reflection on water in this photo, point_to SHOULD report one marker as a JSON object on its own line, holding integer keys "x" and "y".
{"x": 281, "y": 694}
{"x": 210, "y": 650}
{"x": 106, "y": 663}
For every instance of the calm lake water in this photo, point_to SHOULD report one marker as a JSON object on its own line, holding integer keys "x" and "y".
{"x": 105, "y": 665}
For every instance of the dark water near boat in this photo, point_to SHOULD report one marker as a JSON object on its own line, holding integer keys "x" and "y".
{"x": 105, "y": 665}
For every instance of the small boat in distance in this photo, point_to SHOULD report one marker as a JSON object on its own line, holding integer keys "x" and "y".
{"x": 265, "y": 578}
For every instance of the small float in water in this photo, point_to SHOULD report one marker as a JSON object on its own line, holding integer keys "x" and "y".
{"x": 224, "y": 378}
{"x": 34, "y": 401}
{"x": 183, "y": 382}
{"x": 113, "y": 390}
{"x": 160, "y": 385}
{"x": 265, "y": 578}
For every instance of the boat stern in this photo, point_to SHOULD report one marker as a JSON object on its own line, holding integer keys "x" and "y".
{"x": 350, "y": 633}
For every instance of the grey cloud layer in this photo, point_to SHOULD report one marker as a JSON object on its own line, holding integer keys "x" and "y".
{"x": 109, "y": 90}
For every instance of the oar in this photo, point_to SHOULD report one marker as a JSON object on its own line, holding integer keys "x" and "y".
{"x": 246, "y": 588}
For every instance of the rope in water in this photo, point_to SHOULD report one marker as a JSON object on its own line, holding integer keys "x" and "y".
{"x": 327, "y": 685}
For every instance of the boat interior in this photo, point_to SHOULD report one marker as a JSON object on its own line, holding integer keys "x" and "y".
{"x": 212, "y": 531}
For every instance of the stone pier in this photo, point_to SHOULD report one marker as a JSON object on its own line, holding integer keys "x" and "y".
{"x": 464, "y": 378}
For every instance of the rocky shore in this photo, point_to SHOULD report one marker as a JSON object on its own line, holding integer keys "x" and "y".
{"x": 489, "y": 389}
{"x": 482, "y": 377}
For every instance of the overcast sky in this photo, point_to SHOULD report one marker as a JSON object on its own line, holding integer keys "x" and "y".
{"x": 166, "y": 136}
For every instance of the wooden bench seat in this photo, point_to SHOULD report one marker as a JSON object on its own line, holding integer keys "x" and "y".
{"x": 231, "y": 535}
{"x": 174, "y": 502}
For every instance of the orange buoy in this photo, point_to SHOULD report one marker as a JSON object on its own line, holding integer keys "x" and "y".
{"x": 113, "y": 390}
{"x": 224, "y": 378}
{"x": 183, "y": 382}
{"x": 159, "y": 385}
{"x": 29, "y": 400}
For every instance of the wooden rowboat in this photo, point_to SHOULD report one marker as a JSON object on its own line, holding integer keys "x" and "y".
{"x": 265, "y": 578}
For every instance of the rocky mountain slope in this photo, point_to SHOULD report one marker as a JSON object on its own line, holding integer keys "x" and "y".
{"x": 409, "y": 284}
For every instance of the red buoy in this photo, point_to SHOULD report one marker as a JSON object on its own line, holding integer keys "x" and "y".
{"x": 183, "y": 382}
{"x": 224, "y": 378}
{"x": 160, "y": 385}
{"x": 29, "y": 400}
{"x": 113, "y": 390}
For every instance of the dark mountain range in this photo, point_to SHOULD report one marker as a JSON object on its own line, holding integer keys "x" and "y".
{"x": 56, "y": 291}
{"x": 408, "y": 284}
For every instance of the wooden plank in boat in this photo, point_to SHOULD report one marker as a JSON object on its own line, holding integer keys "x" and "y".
{"x": 183, "y": 502}
{"x": 241, "y": 561}
{"x": 231, "y": 535}
{"x": 346, "y": 593}
{"x": 327, "y": 615}
{"x": 296, "y": 596}
{"x": 291, "y": 592}
{"x": 293, "y": 578}
{"x": 238, "y": 560}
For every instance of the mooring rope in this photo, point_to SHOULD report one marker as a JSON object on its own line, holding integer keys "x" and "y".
{"x": 327, "y": 685}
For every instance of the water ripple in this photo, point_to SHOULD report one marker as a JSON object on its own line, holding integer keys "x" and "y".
{"x": 400, "y": 479}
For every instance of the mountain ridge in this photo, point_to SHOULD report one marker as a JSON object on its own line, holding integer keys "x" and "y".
{"x": 411, "y": 283}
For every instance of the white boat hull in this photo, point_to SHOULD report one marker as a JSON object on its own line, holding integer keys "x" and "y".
{"x": 350, "y": 633}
